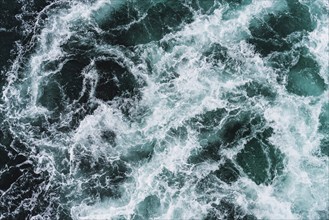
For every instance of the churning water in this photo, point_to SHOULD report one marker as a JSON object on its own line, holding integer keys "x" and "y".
{"x": 164, "y": 109}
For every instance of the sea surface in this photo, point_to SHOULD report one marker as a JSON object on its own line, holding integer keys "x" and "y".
{"x": 164, "y": 109}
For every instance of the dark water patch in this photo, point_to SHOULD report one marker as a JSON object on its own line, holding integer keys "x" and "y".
{"x": 268, "y": 34}
{"x": 83, "y": 40}
{"x": 118, "y": 17}
{"x": 99, "y": 187}
{"x": 301, "y": 17}
{"x": 238, "y": 2}
{"x": 8, "y": 34}
{"x": 114, "y": 80}
{"x": 216, "y": 53}
{"x": 323, "y": 214}
{"x": 218, "y": 129}
{"x": 209, "y": 151}
{"x": 298, "y": 18}
{"x": 8, "y": 177}
{"x": 18, "y": 202}
{"x": 63, "y": 92}
{"x": 236, "y": 97}
{"x": 82, "y": 110}
{"x": 22, "y": 189}
{"x": 80, "y": 50}
{"x": 70, "y": 77}
{"x": 283, "y": 61}
{"x": 109, "y": 136}
{"x": 8, "y": 31}
{"x": 68, "y": 86}
{"x": 255, "y": 89}
{"x": 51, "y": 96}
{"x": 324, "y": 146}
{"x": 208, "y": 186}
{"x": 227, "y": 172}
{"x": 179, "y": 133}
{"x": 166, "y": 45}
{"x": 161, "y": 18}
{"x": 227, "y": 210}
{"x": 208, "y": 6}
{"x": 168, "y": 16}
{"x": 207, "y": 125}
{"x": 304, "y": 79}
{"x": 61, "y": 160}
{"x": 238, "y": 127}
{"x": 7, "y": 44}
{"x": 5, "y": 157}
{"x": 136, "y": 217}
{"x": 254, "y": 161}
{"x": 17, "y": 19}
{"x": 12, "y": 144}
{"x": 6, "y": 138}
{"x": 265, "y": 40}
{"x": 99, "y": 177}
{"x": 85, "y": 164}
{"x": 208, "y": 121}
{"x": 260, "y": 160}
{"x": 8, "y": 10}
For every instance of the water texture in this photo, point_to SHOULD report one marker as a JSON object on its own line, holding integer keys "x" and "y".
{"x": 164, "y": 109}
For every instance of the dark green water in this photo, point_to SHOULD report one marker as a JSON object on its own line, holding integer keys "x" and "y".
{"x": 164, "y": 109}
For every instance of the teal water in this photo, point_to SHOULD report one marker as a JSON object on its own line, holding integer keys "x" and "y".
{"x": 163, "y": 109}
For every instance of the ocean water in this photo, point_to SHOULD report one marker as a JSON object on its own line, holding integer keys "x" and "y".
{"x": 164, "y": 109}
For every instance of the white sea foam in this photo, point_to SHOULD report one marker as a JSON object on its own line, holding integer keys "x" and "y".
{"x": 199, "y": 86}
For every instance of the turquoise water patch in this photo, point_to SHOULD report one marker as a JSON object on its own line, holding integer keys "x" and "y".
{"x": 140, "y": 152}
{"x": 209, "y": 151}
{"x": 233, "y": 7}
{"x": 149, "y": 208}
{"x": 133, "y": 27}
{"x": 304, "y": 79}
{"x": 260, "y": 160}
{"x": 206, "y": 125}
{"x": 269, "y": 34}
{"x": 205, "y": 6}
{"x": 324, "y": 129}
